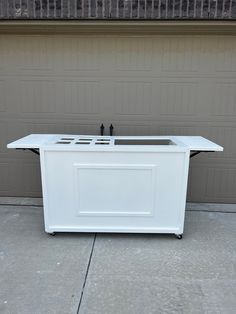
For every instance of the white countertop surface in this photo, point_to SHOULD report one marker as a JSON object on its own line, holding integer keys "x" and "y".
{"x": 31, "y": 141}
{"x": 37, "y": 141}
{"x": 199, "y": 143}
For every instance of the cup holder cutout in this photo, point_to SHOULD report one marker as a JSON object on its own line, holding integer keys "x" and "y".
{"x": 62, "y": 142}
{"x": 102, "y": 143}
{"x": 82, "y": 142}
{"x": 66, "y": 139}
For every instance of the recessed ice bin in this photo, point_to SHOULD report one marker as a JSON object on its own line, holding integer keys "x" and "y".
{"x": 143, "y": 142}
{"x": 114, "y": 184}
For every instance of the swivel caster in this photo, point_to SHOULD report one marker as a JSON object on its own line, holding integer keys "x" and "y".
{"x": 179, "y": 236}
{"x": 52, "y": 233}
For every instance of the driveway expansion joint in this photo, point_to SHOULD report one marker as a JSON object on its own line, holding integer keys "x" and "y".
{"x": 86, "y": 274}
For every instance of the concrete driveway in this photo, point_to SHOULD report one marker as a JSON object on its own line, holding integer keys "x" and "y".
{"x": 118, "y": 273}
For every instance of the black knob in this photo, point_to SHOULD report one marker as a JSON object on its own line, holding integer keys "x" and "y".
{"x": 111, "y": 129}
{"x": 102, "y": 127}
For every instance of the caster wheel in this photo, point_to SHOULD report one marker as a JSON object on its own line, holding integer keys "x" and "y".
{"x": 52, "y": 233}
{"x": 179, "y": 236}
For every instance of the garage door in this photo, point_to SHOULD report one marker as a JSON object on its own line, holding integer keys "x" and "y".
{"x": 147, "y": 85}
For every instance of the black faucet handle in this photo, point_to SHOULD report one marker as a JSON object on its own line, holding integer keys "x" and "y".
{"x": 102, "y": 127}
{"x": 111, "y": 129}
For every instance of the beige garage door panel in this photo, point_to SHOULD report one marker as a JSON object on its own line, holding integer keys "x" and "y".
{"x": 183, "y": 85}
